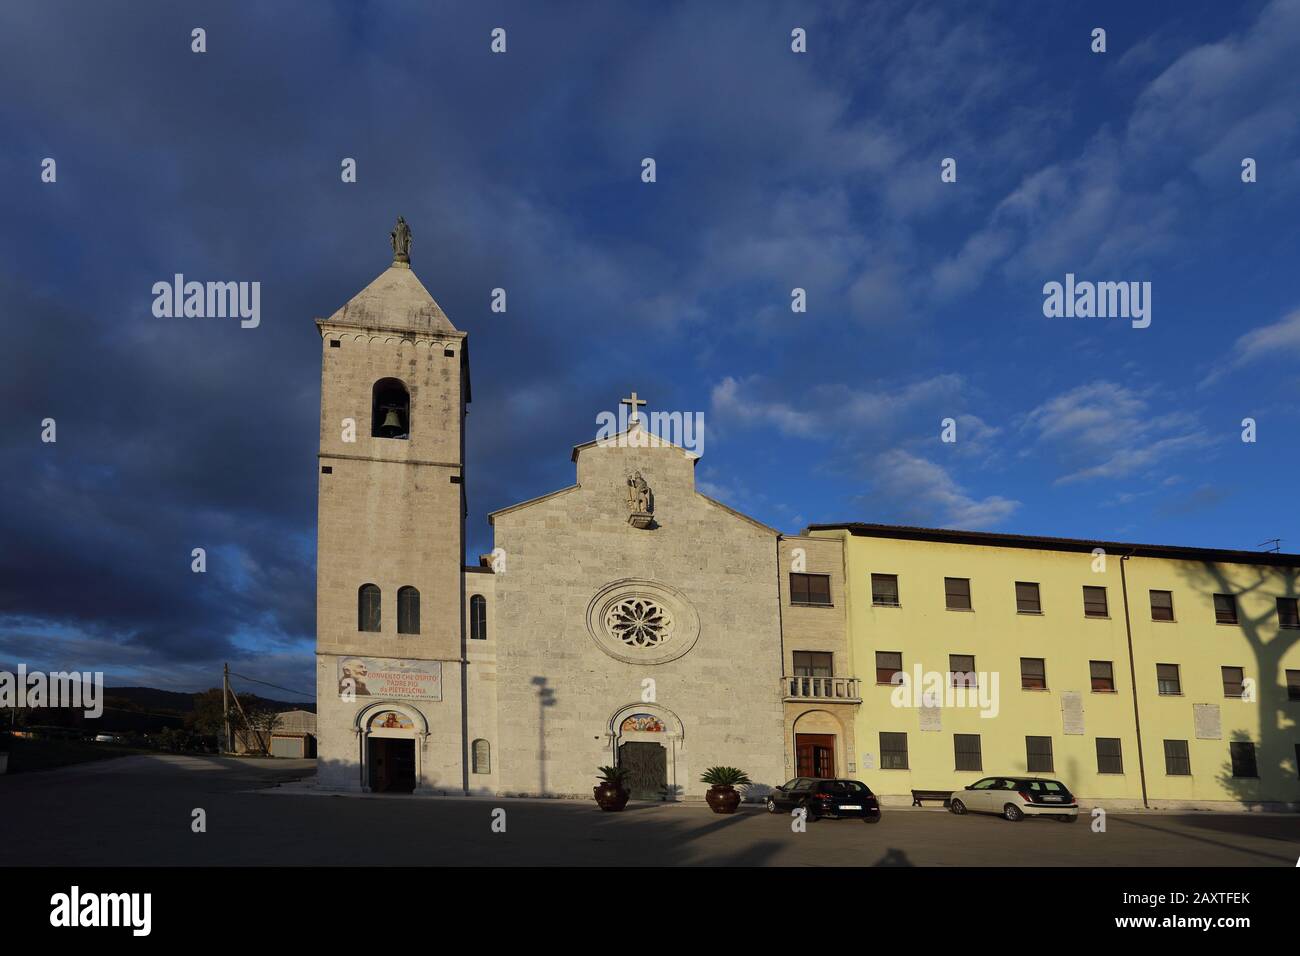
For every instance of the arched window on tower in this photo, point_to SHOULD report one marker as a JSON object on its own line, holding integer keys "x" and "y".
{"x": 368, "y": 607}
{"x": 408, "y": 611}
{"x": 478, "y": 618}
{"x": 390, "y": 409}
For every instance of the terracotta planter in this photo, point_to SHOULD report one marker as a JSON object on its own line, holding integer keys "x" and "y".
{"x": 723, "y": 799}
{"x": 610, "y": 796}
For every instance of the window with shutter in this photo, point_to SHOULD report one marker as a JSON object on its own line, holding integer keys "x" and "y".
{"x": 1094, "y": 602}
{"x": 1110, "y": 758}
{"x": 1027, "y": 601}
{"x": 1225, "y": 609}
{"x": 1167, "y": 682}
{"x": 884, "y": 590}
{"x": 888, "y": 663}
{"x": 1162, "y": 605}
{"x": 1038, "y": 754}
{"x": 956, "y": 593}
{"x": 1102, "y": 674}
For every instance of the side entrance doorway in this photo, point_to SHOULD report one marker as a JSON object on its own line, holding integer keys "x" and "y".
{"x": 815, "y": 755}
{"x": 392, "y": 765}
{"x": 647, "y": 766}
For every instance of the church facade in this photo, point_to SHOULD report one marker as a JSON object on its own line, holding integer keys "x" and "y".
{"x": 627, "y": 619}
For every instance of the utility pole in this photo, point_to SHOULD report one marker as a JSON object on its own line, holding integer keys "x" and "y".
{"x": 225, "y": 710}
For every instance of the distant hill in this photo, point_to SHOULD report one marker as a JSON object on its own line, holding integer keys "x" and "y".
{"x": 177, "y": 702}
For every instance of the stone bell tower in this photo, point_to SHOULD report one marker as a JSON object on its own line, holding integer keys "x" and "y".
{"x": 390, "y": 538}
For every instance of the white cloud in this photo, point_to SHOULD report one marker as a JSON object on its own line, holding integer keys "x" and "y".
{"x": 1282, "y": 338}
{"x": 923, "y": 492}
{"x": 1107, "y": 430}
{"x": 826, "y": 409}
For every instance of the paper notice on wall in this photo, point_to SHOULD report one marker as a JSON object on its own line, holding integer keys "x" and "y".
{"x": 1206, "y": 719}
{"x": 931, "y": 717}
{"x": 1072, "y": 712}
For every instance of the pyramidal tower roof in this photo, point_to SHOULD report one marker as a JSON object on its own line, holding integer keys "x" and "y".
{"x": 396, "y": 299}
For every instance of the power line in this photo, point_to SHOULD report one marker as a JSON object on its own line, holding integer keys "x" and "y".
{"x": 288, "y": 690}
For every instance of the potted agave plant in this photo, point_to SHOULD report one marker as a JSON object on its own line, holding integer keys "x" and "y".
{"x": 610, "y": 792}
{"x": 722, "y": 795}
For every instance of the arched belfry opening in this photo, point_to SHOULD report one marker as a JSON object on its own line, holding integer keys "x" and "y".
{"x": 390, "y": 409}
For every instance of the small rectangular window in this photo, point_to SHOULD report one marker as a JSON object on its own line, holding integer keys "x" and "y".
{"x": 1243, "y": 758}
{"x": 961, "y": 670}
{"x": 1027, "y": 601}
{"x": 1167, "y": 682}
{"x": 967, "y": 748}
{"x": 884, "y": 590}
{"x": 893, "y": 751}
{"x": 449, "y": 353}
{"x": 1103, "y": 676}
{"x": 888, "y": 663}
{"x": 1177, "y": 762}
{"x": 1233, "y": 678}
{"x": 1094, "y": 601}
{"x": 1162, "y": 605}
{"x": 810, "y": 589}
{"x": 335, "y": 343}
{"x": 956, "y": 592}
{"x": 1110, "y": 758}
{"x": 327, "y": 469}
{"x": 1038, "y": 754}
{"x": 1225, "y": 609}
{"x": 1033, "y": 673}
{"x": 1293, "y": 685}
{"x": 1288, "y": 612}
{"x": 812, "y": 664}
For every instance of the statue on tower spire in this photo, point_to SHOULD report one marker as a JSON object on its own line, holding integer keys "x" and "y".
{"x": 400, "y": 238}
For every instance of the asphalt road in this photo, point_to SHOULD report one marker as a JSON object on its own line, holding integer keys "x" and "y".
{"x": 138, "y": 810}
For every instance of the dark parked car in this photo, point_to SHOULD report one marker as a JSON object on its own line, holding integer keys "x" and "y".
{"x": 826, "y": 798}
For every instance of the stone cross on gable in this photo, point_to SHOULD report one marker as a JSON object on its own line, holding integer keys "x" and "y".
{"x": 632, "y": 401}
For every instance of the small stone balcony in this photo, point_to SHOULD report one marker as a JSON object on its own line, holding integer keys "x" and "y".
{"x": 843, "y": 690}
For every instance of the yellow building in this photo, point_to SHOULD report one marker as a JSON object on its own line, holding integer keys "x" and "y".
{"x": 1135, "y": 673}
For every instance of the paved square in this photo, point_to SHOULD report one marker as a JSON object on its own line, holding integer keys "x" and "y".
{"x": 137, "y": 811}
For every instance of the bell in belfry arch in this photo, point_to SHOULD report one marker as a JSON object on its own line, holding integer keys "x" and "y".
{"x": 393, "y": 424}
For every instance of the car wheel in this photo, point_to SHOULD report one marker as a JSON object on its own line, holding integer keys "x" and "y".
{"x": 872, "y": 819}
{"x": 771, "y": 805}
{"x": 1067, "y": 819}
{"x": 958, "y": 807}
{"x": 809, "y": 815}
{"x": 1013, "y": 813}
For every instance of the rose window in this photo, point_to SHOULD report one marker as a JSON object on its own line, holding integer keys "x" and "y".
{"x": 639, "y": 622}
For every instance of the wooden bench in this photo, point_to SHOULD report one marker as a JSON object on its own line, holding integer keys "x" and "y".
{"x": 919, "y": 795}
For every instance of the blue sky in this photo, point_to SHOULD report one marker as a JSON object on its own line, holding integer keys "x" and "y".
{"x": 775, "y": 170}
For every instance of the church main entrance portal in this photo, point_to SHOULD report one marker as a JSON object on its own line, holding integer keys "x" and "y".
{"x": 392, "y": 765}
{"x": 647, "y": 765}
